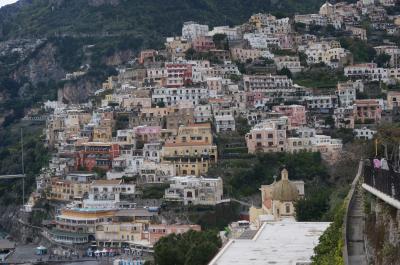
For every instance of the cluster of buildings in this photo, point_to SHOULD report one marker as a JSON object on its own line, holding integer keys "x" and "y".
{"x": 156, "y": 122}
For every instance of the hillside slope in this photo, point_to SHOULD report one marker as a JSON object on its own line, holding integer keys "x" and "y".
{"x": 146, "y": 18}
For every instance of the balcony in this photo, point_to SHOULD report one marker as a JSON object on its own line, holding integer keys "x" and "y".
{"x": 384, "y": 184}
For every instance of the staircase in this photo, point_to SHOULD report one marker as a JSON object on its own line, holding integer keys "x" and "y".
{"x": 355, "y": 229}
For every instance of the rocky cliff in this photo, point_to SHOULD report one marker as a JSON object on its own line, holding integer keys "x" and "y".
{"x": 11, "y": 221}
{"x": 41, "y": 66}
{"x": 79, "y": 91}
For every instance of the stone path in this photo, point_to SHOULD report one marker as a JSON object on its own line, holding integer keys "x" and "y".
{"x": 356, "y": 226}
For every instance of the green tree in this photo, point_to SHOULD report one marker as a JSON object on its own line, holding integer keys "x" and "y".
{"x": 221, "y": 41}
{"x": 330, "y": 121}
{"x": 190, "y": 248}
{"x": 313, "y": 207}
{"x": 285, "y": 71}
{"x": 361, "y": 50}
{"x": 382, "y": 60}
{"x": 329, "y": 249}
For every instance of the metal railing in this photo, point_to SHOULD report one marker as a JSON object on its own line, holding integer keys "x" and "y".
{"x": 386, "y": 181}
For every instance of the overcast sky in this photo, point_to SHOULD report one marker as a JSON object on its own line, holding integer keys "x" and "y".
{"x": 6, "y": 2}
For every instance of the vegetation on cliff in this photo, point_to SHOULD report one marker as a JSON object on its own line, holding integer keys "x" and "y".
{"x": 150, "y": 20}
{"x": 36, "y": 156}
{"x": 194, "y": 248}
{"x": 329, "y": 249}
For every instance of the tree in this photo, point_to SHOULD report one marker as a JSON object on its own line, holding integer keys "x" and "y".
{"x": 285, "y": 71}
{"x": 242, "y": 127}
{"x": 382, "y": 60}
{"x": 361, "y": 50}
{"x": 313, "y": 207}
{"x": 221, "y": 41}
{"x": 330, "y": 121}
{"x": 161, "y": 104}
{"x": 190, "y": 248}
{"x": 329, "y": 249}
{"x": 190, "y": 54}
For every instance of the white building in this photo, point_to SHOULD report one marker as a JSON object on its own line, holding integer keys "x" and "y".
{"x": 369, "y": 71}
{"x": 224, "y": 123}
{"x": 194, "y": 190}
{"x": 346, "y": 93}
{"x": 261, "y": 40}
{"x": 202, "y": 113}
{"x": 175, "y": 96}
{"x": 268, "y": 83}
{"x": 106, "y": 194}
{"x": 290, "y": 62}
{"x": 191, "y": 30}
{"x": 231, "y": 33}
{"x": 321, "y": 102}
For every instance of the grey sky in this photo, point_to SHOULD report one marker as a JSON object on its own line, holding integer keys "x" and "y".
{"x": 6, "y": 2}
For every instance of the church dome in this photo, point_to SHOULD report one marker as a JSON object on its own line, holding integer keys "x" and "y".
{"x": 284, "y": 190}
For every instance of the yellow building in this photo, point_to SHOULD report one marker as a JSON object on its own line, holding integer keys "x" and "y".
{"x": 192, "y": 150}
{"x": 115, "y": 234}
{"x": 78, "y": 225}
{"x": 102, "y": 134}
{"x": 66, "y": 190}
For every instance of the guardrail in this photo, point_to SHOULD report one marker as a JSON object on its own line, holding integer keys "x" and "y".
{"x": 385, "y": 181}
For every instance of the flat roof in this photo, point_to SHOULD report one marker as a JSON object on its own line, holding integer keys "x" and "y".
{"x": 280, "y": 243}
{"x": 6, "y": 244}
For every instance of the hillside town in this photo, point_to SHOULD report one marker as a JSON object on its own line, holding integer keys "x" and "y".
{"x": 159, "y": 126}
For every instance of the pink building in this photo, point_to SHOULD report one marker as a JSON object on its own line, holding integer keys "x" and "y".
{"x": 269, "y": 136}
{"x": 367, "y": 111}
{"x": 295, "y": 113}
{"x": 158, "y": 231}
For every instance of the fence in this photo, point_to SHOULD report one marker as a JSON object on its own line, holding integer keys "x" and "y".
{"x": 385, "y": 181}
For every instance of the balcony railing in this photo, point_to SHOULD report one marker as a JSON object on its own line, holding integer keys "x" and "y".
{"x": 385, "y": 181}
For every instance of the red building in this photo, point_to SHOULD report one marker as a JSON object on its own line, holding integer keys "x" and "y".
{"x": 95, "y": 155}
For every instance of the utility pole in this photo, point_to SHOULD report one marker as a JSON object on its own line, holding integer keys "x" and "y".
{"x": 23, "y": 167}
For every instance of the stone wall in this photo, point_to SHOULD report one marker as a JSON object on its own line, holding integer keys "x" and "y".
{"x": 382, "y": 232}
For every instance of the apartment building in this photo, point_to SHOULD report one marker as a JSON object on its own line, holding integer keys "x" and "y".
{"x": 192, "y": 150}
{"x": 173, "y": 96}
{"x": 367, "y": 111}
{"x": 92, "y": 155}
{"x": 191, "y": 30}
{"x": 295, "y": 113}
{"x": 268, "y": 136}
{"x": 192, "y": 190}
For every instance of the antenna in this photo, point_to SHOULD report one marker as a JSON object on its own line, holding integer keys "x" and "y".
{"x": 23, "y": 167}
